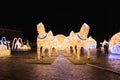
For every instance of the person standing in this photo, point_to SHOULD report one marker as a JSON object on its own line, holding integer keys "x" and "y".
{"x": 106, "y": 51}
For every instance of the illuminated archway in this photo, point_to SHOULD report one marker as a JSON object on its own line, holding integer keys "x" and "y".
{"x": 17, "y": 44}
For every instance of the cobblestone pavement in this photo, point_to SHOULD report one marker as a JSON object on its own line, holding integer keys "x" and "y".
{"x": 61, "y": 69}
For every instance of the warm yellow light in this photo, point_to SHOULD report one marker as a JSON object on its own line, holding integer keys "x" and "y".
{"x": 4, "y": 47}
{"x": 4, "y": 53}
{"x": 115, "y": 39}
{"x": 41, "y": 29}
{"x": 61, "y": 42}
{"x": 114, "y": 43}
{"x": 18, "y": 45}
{"x": 61, "y": 45}
{"x": 84, "y": 30}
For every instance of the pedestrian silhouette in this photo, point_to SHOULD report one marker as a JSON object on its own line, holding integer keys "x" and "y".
{"x": 106, "y": 51}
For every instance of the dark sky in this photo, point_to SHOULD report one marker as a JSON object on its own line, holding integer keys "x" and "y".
{"x": 103, "y": 18}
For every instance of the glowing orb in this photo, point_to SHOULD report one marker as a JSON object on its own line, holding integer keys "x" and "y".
{"x": 114, "y": 44}
{"x": 61, "y": 42}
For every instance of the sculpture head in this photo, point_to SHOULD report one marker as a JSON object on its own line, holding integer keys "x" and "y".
{"x": 72, "y": 34}
{"x": 50, "y": 33}
{"x": 84, "y": 31}
{"x": 40, "y": 29}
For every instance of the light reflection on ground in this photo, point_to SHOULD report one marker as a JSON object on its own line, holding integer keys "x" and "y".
{"x": 114, "y": 56}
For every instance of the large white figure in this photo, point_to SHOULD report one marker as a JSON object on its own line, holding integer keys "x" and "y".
{"x": 42, "y": 41}
{"x": 81, "y": 38}
{"x": 114, "y": 43}
{"x": 71, "y": 42}
{"x": 76, "y": 41}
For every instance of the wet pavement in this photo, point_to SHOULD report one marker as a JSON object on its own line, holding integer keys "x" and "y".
{"x": 15, "y": 68}
{"x": 110, "y": 61}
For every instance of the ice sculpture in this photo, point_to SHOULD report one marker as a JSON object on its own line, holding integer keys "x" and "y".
{"x": 4, "y": 47}
{"x": 114, "y": 44}
{"x": 18, "y": 45}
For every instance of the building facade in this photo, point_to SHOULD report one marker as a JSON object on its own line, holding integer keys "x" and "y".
{"x": 10, "y": 33}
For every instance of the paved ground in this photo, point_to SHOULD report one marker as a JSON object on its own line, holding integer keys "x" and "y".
{"x": 61, "y": 69}
{"x": 111, "y": 62}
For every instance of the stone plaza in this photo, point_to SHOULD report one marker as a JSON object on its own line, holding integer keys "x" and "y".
{"x": 16, "y": 67}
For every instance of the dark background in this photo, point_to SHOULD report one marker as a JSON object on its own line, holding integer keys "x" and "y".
{"x": 62, "y": 17}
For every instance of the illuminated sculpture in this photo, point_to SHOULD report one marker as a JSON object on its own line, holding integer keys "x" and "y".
{"x": 71, "y": 42}
{"x": 18, "y": 45}
{"x": 91, "y": 43}
{"x": 102, "y": 45}
{"x": 42, "y": 41}
{"x": 114, "y": 43}
{"x": 81, "y": 38}
{"x": 52, "y": 42}
{"x": 4, "y": 47}
{"x": 61, "y": 42}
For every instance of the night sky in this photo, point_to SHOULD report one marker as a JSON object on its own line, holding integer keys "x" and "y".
{"x": 103, "y": 19}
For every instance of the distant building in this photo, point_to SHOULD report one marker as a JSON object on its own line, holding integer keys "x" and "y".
{"x": 10, "y": 33}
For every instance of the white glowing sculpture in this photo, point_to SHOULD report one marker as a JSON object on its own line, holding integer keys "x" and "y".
{"x": 61, "y": 45}
{"x": 18, "y": 45}
{"x": 52, "y": 42}
{"x": 71, "y": 42}
{"x": 91, "y": 43}
{"x": 81, "y": 38}
{"x": 114, "y": 43}
{"x": 4, "y": 47}
{"x": 61, "y": 42}
{"x": 42, "y": 41}
{"x": 83, "y": 34}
